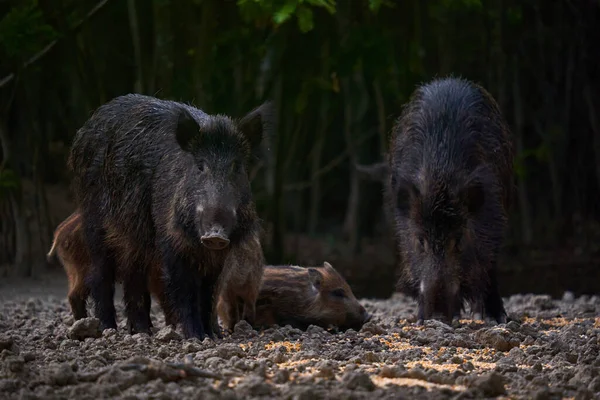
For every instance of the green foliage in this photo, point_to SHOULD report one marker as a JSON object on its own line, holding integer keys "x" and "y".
{"x": 23, "y": 31}
{"x": 283, "y": 10}
{"x": 375, "y": 5}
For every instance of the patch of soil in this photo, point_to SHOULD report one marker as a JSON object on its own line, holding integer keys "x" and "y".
{"x": 550, "y": 350}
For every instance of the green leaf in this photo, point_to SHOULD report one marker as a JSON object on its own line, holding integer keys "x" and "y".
{"x": 285, "y": 12}
{"x": 305, "y": 19}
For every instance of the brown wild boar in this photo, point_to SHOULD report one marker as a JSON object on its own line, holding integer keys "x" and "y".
{"x": 240, "y": 284}
{"x": 70, "y": 250}
{"x": 301, "y": 297}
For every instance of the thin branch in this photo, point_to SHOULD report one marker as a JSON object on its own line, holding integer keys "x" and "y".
{"x": 7, "y": 79}
{"x": 328, "y": 167}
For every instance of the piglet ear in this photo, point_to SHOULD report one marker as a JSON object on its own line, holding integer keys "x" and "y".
{"x": 258, "y": 123}
{"x": 316, "y": 277}
{"x": 328, "y": 266}
{"x": 187, "y": 129}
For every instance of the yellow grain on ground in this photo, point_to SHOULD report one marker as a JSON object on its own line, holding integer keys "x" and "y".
{"x": 289, "y": 346}
{"x": 557, "y": 321}
{"x": 245, "y": 346}
{"x": 382, "y": 382}
{"x": 481, "y": 365}
{"x": 293, "y": 365}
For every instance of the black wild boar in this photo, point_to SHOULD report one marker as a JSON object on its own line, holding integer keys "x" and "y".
{"x": 451, "y": 186}
{"x": 70, "y": 250}
{"x": 241, "y": 283}
{"x": 307, "y": 296}
{"x": 161, "y": 179}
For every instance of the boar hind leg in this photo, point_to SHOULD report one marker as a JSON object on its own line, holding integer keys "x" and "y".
{"x": 248, "y": 307}
{"x": 181, "y": 291}
{"x": 148, "y": 307}
{"x": 101, "y": 279}
{"x": 137, "y": 301}
{"x": 77, "y": 299}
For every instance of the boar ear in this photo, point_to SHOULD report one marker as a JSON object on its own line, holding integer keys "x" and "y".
{"x": 473, "y": 193}
{"x": 406, "y": 193}
{"x": 187, "y": 128}
{"x": 315, "y": 277}
{"x": 474, "y": 196}
{"x": 258, "y": 123}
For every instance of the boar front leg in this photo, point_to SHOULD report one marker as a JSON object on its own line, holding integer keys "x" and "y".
{"x": 208, "y": 286}
{"x": 182, "y": 291}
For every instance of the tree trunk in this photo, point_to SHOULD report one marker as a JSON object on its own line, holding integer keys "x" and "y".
{"x": 526, "y": 227}
{"x": 350, "y": 227}
{"x": 315, "y": 191}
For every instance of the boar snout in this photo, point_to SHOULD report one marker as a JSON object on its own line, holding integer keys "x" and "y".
{"x": 217, "y": 223}
{"x": 364, "y": 315}
{"x": 215, "y": 238}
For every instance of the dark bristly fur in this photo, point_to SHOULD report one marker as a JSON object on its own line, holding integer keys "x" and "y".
{"x": 157, "y": 179}
{"x": 307, "y": 296}
{"x": 70, "y": 250}
{"x": 451, "y": 186}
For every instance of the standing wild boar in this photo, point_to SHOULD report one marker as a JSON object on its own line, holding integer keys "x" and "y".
{"x": 161, "y": 179}
{"x": 451, "y": 185}
{"x": 307, "y": 296}
{"x": 70, "y": 249}
{"x": 241, "y": 283}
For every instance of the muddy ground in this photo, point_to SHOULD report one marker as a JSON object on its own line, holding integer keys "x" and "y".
{"x": 549, "y": 351}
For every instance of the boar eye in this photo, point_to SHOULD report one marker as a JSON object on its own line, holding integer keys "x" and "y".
{"x": 202, "y": 166}
{"x": 457, "y": 242}
{"x": 338, "y": 293}
{"x": 422, "y": 243}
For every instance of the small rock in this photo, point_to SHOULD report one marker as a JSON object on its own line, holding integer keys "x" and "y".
{"x": 369, "y": 357}
{"x": 542, "y": 394}
{"x": 85, "y": 328}
{"x": 109, "y": 332}
{"x": 358, "y": 379}
{"x": 5, "y": 343}
{"x": 243, "y": 328}
{"x": 167, "y": 334}
{"x": 417, "y": 373}
{"x": 594, "y": 385}
{"x": 373, "y": 328}
{"x": 15, "y": 363}
{"x": 498, "y": 338}
{"x": 392, "y": 372}
{"x": 281, "y": 376}
{"x": 256, "y": 386}
{"x": 62, "y": 375}
{"x": 513, "y": 326}
{"x": 491, "y": 385}
{"x": 568, "y": 297}
{"x": 192, "y": 346}
{"x": 278, "y": 358}
{"x": 325, "y": 370}
{"x": 315, "y": 330}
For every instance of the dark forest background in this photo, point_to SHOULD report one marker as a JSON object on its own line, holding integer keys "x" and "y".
{"x": 339, "y": 73}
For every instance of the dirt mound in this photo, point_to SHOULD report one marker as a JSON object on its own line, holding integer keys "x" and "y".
{"x": 549, "y": 350}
